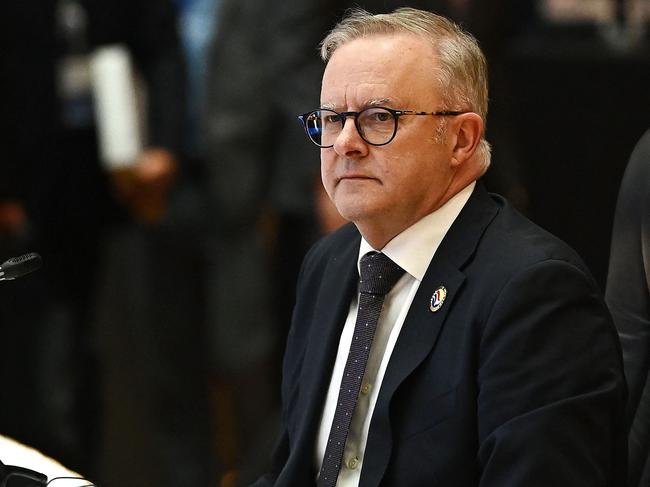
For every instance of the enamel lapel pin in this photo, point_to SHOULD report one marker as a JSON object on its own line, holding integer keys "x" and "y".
{"x": 438, "y": 298}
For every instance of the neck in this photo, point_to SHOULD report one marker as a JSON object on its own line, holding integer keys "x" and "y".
{"x": 379, "y": 231}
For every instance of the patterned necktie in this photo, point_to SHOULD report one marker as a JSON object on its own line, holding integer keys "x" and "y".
{"x": 378, "y": 275}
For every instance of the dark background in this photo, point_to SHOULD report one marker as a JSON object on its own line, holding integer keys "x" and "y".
{"x": 580, "y": 107}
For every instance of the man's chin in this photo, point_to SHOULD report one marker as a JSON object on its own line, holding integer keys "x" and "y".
{"x": 358, "y": 212}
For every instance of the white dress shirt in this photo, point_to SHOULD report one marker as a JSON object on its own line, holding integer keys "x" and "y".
{"x": 412, "y": 250}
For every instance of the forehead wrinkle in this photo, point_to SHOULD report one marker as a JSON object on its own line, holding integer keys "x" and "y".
{"x": 353, "y": 96}
{"x": 352, "y": 89}
{"x": 376, "y": 102}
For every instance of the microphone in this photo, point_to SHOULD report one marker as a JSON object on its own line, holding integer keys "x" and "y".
{"x": 19, "y": 266}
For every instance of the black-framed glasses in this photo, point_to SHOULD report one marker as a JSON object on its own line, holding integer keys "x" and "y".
{"x": 376, "y": 125}
{"x": 13, "y": 476}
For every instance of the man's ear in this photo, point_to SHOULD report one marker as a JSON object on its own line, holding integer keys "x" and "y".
{"x": 468, "y": 130}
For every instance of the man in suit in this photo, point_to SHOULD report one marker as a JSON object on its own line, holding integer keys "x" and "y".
{"x": 494, "y": 360}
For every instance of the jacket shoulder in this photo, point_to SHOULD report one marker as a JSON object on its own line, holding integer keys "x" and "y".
{"x": 331, "y": 246}
{"x": 514, "y": 242}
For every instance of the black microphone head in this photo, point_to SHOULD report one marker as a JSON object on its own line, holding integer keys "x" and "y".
{"x": 19, "y": 266}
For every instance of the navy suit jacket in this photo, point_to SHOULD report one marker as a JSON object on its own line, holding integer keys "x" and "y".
{"x": 515, "y": 381}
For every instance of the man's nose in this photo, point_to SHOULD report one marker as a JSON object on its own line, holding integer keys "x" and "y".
{"x": 349, "y": 141}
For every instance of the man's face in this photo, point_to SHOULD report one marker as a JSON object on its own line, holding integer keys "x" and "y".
{"x": 385, "y": 189}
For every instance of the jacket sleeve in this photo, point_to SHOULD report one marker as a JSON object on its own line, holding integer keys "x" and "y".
{"x": 628, "y": 297}
{"x": 551, "y": 387}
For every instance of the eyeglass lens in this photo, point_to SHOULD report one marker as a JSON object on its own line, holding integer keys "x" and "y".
{"x": 376, "y": 126}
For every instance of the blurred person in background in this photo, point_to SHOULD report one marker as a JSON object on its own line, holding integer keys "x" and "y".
{"x": 628, "y": 298}
{"x": 150, "y": 301}
{"x": 134, "y": 379}
{"x": 45, "y": 407}
{"x": 241, "y": 320}
{"x": 32, "y": 409}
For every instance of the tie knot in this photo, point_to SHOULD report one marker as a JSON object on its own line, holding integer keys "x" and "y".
{"x": 378, "y": 273}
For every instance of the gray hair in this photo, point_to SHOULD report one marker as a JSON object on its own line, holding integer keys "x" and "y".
{"x": 462, "y": 69}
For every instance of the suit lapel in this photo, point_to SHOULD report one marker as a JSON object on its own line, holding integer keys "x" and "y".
{"x": 422, "y": 327}
{"x": 338, "y": 284}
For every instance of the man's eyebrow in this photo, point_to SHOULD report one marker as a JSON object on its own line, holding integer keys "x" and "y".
{"x": 370, "y": 103}
{"x": 378, "y": 102}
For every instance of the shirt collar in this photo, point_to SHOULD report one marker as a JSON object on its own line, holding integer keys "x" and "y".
{"x": 414, "y": 248}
